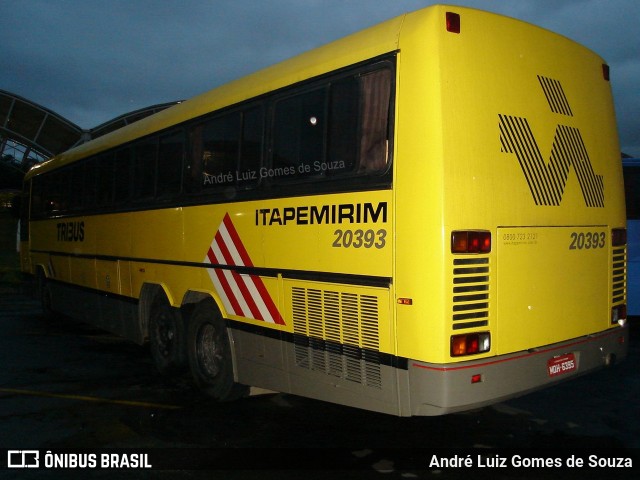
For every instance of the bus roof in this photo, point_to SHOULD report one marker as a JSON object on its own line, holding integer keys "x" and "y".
{"x": 380, "y": 39}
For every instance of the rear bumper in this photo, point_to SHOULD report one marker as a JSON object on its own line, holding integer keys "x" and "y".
{"x": 438, "y": 389}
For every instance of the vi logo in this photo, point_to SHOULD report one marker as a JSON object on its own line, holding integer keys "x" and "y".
{"x": 547, "y": 180}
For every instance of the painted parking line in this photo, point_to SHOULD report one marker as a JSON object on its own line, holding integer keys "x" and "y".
{"x": 86, "y": 398}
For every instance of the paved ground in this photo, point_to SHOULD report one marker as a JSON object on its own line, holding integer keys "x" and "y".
{"x": 67, "y": 385}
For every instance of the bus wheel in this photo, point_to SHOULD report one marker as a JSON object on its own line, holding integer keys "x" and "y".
{"x": 209, "y": 354}
{"x": 166, "y": 337}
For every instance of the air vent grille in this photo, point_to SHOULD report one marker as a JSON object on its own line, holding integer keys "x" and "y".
{"x": 337, "y": 333}
{"x": 470, "y": 292}
{"x": 619, "y": 272}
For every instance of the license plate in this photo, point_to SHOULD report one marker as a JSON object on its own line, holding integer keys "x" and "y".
{"x": 561, "y": 365}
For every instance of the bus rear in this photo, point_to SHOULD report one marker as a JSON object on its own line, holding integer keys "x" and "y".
{"x": 511, "y": 239}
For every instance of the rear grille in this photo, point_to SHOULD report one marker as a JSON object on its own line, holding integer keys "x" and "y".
{"x": 337, "y": 333}
{"x": 470, "y": 292}
{"x": 619, "y": 275}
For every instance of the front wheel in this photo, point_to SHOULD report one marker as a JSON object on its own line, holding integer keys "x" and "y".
{"x": 209, "y": 354}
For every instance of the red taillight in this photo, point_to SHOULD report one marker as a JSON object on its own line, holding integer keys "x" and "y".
{"x": 619, "y": 237}
{"x": 470, "y": 344}
{"x": 470, "y": 241}
{"x": 453, "y": 22}
{"x": 605, "y": 71}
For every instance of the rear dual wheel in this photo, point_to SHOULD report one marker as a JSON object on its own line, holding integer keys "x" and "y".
{"x": 209, "y": 354}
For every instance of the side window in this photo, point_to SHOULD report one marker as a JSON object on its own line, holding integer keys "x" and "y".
{"x": 298, "y": 135}
{"x": 374, "y": 135}
{"x": 339, "y": 129}
{"x": 77, "y": 182}
{"x": 221, "y": 145}
{"x": 123, "y": 174}
{"x": 374, "y": 114}
{"x": 90, "y": 187}
{"x": 144, "y": 169}
{"x": 343, "y": 129}
{"x": 106, "y": 179}
{"x": 215, "y": 149}
{"x": 170, "y": 155}
{"x": 248, "y": 173}
{"x": 56, "y": 190}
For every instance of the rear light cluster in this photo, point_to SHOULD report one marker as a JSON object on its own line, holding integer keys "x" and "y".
{"x": 619, "y": 237}
{"x": 619, "y": 314}
{"x": 470, "y": 241}
{"x": 470, "y": 344}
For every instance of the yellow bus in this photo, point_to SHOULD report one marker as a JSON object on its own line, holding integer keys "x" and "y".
{"x": 420, "y": 218}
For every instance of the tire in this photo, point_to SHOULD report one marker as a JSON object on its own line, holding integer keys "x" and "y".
{"x": 209, "y": 354}
{"x": 166, "y": 337}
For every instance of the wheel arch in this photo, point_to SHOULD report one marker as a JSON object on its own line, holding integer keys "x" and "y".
{"x": 148, "y": 294}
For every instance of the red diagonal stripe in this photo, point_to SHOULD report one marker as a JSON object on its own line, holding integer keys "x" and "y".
{"x": 244, "y": 255}
{"x": 275, "y": 314}
{"x": 227, "y": 258}
{"x": 239, "y": 281}
{"x": 225, "y": 284}
{"x": 255, "y": 311}
{"x": 237, "y": 309}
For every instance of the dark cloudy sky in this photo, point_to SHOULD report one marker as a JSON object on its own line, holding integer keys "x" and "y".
{"x": 92, "y": 60}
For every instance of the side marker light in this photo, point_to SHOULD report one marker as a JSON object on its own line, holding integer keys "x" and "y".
{"x": 453, "y": 22}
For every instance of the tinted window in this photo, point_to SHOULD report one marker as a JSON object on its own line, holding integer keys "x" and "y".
{"x": 105, "y": 180}
{"x": 251, "y": 148}
{"x": 144, "y": 169}
{"x": 339, "y": 129}
{"x": 170, "y": 164}
{"x": 123, "y": 176}
{"x": 298, "y": 138}
{"x": 375, "y": 92}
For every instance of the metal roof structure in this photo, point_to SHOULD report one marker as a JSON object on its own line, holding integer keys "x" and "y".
{"x": 31, "y": 133}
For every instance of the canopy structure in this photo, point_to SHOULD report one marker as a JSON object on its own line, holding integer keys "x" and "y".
{"x": 31, "y": 133}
